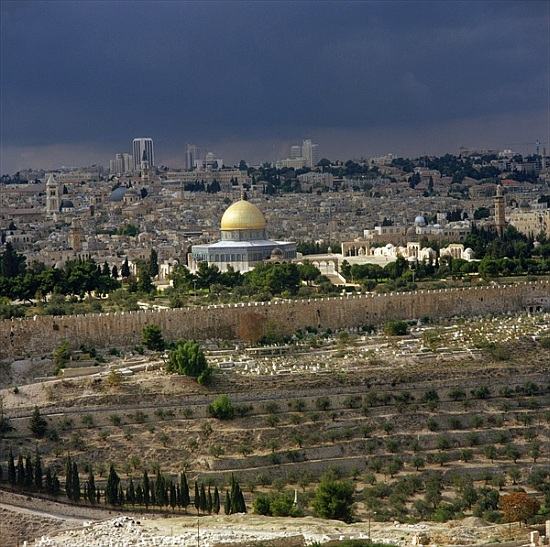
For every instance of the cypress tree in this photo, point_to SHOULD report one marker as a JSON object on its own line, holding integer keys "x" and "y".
{"x": 20, "y": 472}
{"x": 216, "y": 506}
{"x": 90, "y": 488}
{"x": 197, "y": 498}
{"x": 38, "y": 471}
{"x": 153, "y": 494}
{"x": 75, "y": 483}
{"x": 242, "y": 504}
{"x": 98, "y": 496}
{"x": 114, "y": 272}
{"x": 139, "y": 495}
{"x": 112, "y": 488}
{"x": 184, "y": 491}
{"x": 12, "y": 475}
{"x": 69, "y": 477}
{"x": 131, "y": 493}
{"x": 106, "y": 270}
{"x": 29, "y": 474}
{"x": 49, "y": 481}
{"x": 153, "y": 263}
{"x": 172, "y": 496}
{"x": 56, "y": 487}
{"x": 120, "y": 495}
{"x": 146, "y": 497}
{"x": 178, "y": 495}
{"x": 203, "y": 502}
{"x": 209, "y": 501}
{"x": 227, "y": 504}
{"x": 234, "y": 496}
{"x": 125, "y": 270}
{"x": 160, "y": 489}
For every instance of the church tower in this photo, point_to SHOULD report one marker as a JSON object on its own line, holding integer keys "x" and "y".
{"x": 74, "y": 239}
{"x": 500, "y": 211}
{"x": 53, "y": 196}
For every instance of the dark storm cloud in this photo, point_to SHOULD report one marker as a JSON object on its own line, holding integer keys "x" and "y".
{"x": 91, "y": 75}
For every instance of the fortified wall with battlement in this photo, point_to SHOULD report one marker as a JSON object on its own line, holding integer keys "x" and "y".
{"x": 42, "y": 334}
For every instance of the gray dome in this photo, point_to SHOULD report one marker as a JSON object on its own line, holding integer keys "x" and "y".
{"x": 118, "y": 193}
{"x": 420, "y": 221}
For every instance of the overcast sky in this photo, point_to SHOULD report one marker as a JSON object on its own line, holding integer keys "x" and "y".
{"x": 80, "y": 79}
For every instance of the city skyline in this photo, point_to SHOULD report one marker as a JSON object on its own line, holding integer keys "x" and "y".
{"x": 360, "y": 79}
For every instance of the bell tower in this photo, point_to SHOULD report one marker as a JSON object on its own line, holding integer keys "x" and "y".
{"x": 53, "y": 196}
{"x": 500, "y": 211}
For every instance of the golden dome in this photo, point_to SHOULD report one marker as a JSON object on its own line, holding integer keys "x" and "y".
{"x": 242, "y": 215}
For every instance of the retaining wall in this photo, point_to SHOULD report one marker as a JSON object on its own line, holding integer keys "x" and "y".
{"x": 41, "y": 334}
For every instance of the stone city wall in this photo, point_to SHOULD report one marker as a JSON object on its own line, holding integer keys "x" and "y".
{"x": 41, "y": 334}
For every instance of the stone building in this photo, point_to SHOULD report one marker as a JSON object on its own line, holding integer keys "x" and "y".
{"x": 243, "y": 243}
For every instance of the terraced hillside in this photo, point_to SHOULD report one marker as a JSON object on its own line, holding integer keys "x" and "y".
{"x": 416, "y": 428}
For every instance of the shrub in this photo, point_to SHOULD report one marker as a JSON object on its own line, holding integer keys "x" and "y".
{"x": 38, "y": 424}
{"x": 152, "y": 338}
{"x": 87, "y": 420}
{"x": 322, "y": 403}
{"x": 61, "y": 356}
{"x": 188, "y": 358}
{"x": 395, "y": 328}
{"x": 334, "y": 499}
{"x": 222, "y": 408}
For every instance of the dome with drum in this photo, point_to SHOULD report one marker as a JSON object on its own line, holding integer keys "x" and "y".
{"x": 244, "y": 241}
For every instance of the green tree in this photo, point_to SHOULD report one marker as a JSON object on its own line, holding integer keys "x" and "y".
{"x": 12, "y": 475}
{"x": 29, "y": 473}
{"x": 38, "y": 424}
{"x": 112, "y": 488}
{"x": 20, "y": 472}
{"x": 334, "y": 499}
{"x": 38, "y": 471}
{"x": 75, "y": 484}
{"x": 153, "y": 263}
{"x": 125, "y": 269}
{"x": 48, "y": 482}
{"x": 152, "y": 338}
{"x": 189, "y": 359}
{"x": 227, "y": 504}
{"x": 184, "y": 492}
{"x": 222, "y": 408}
{"x": 12, "y": 263}
{"x": 197, "y": 499}
{"x": 144, "y": 279}
{"x": 90, "y": 488}
{"x": 131, "y": 493}
{"x": 216, "y": 502}
{"x": 203, "y": 502}
{"x": 146, "y": 489}
{"x": 61, "y": 356}
{"x": 395, "y": 328}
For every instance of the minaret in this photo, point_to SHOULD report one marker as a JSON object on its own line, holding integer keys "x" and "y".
{"x": 53, "y": 197}
{"x": 500, "y": 212}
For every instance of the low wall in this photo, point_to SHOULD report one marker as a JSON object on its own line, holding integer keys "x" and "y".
{"x": 41, "y": 334}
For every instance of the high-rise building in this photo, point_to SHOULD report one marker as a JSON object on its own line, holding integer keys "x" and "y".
{"x": 123, "y": 163}
{"x": 192, "y": 155}
{"x": 310, "y": 153}
{"x": 295, "y": 151}
{"x": 144, "y": 155}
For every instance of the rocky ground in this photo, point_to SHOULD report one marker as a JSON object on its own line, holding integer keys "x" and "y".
{"x": 242, "y": 529}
